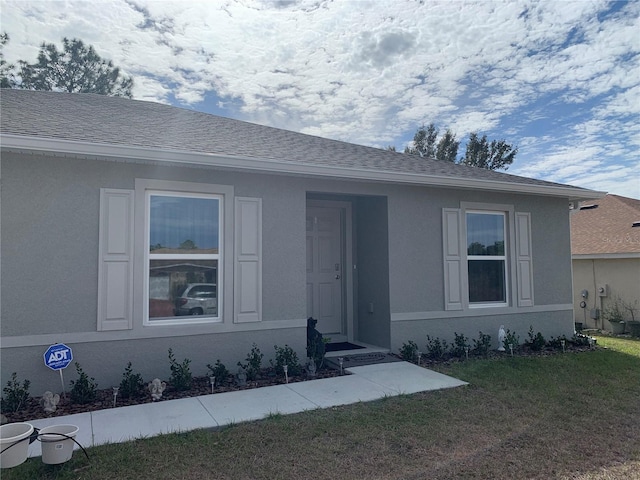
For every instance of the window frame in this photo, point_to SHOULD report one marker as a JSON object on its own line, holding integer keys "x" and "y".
{"x": 225, "y": 195}
{"x": 504, "y": 258}
{"x": 149, "y": 256}
{"x": 509, "y": 246}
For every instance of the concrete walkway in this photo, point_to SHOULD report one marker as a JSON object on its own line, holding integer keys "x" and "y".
{"x": 366, "y": 383}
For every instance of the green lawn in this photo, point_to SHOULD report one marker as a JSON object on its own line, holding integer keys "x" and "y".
{"x": 574, "y": 415}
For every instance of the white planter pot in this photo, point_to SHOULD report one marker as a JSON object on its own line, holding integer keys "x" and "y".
{"x": 14, "y": 443}
{"x": 57, "y": 443}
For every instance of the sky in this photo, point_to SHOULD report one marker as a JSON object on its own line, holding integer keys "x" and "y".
{"x": 558, "y": 79}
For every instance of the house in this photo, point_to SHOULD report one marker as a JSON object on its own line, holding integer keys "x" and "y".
{"x": 112, "y": 208}
{"x": 605, "y": 253}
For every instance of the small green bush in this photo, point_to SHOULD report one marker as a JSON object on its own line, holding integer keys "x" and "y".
{"x": 556, "y": 342}
{"x": 581, "y": 340}
{"x": 510, "y": 338}
{"x": 219, "y": 370}
{"x": 15, "y": 394}
{"x": 482, "y": 346}
{"x": 409, "y": 351}
{"x": 535, "y": 342}
{"x": 180, "y": 373}
{"x": 85, "y": 389}
{"x": 254, "y": 363}
{"x": 460, "y": 345}
{"x": 286, "y": 356}
{"x": 436, "y": 348}
{"x": 131, "y": 385}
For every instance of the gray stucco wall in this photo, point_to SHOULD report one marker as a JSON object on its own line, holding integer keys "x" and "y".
{"x": 49, "y": 214}
{"x": 415, "y": 239}
{"x": 552, "y": 324}
{"x": 49, "y": 260}
{"x": 373, "y": 271}
{"x": 50, "y": 211}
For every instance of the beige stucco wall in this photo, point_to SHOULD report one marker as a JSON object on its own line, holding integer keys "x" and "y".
{"x": 622, "y": 277}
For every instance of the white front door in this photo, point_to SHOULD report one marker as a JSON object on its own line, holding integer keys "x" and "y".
{"x": 325, "y": 269}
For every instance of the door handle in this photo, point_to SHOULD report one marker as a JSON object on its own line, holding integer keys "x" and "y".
{"x": 337, "y": 277}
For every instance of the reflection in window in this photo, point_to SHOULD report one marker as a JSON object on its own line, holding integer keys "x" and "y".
{"x": 183, "y": 224}
{"x": 184, "y": 253}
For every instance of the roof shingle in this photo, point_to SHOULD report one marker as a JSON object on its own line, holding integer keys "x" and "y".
{"x": 99, "y": 119}
{"x": 605, "y": 226}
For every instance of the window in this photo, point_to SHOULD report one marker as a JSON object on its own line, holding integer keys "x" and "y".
{"x": 183, "y": 248}
{"x": 486, "y": 258}
{"x": 487, "y": 254}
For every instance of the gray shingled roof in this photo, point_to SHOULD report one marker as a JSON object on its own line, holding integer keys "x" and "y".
{"x": 107, "y": 120}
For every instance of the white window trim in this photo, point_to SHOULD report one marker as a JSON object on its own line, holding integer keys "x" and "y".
{"x": 504, "y": 258}
{"x": 143, "y": 189}
{"x": 184, "y": 320}
{"x": 511, "y": 288}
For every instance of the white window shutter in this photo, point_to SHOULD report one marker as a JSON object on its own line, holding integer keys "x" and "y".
{"x": 248, "y": 261}
{"x": 524, "y": 268}
{"x": 451, "y": 231}
{"x": 115, "y": 260}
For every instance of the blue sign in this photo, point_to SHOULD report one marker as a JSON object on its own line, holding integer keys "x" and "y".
{"x": 58, "y": 356}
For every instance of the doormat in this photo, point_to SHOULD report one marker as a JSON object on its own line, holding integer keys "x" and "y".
{"x": 358, "y": 360}
{"x": 336, "y": 347}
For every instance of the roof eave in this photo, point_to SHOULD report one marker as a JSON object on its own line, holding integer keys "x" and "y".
{"x": 22, "y": 143}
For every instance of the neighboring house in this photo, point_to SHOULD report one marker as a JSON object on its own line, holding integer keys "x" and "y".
{"x": 605, "y": 251}
{"x": 111, "y": 207}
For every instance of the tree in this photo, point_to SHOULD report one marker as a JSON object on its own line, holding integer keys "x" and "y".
{"x": 77, "y": 68}
{"x": 424, "y": 142}
{"x": 188, "y": 245}
{"x": 493, "y": 156}
{"x": 447, "y": 150}
{"x": 6, "y": 77}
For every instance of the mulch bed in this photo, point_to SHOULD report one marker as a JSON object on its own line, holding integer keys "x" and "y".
{"x": 200, "y": 386}
{"x": 522, "y": 351}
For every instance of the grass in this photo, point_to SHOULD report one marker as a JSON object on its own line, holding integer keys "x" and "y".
{"x": 571, "y": 416}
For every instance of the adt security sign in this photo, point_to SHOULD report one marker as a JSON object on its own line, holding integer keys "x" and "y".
{"x": 58, "y": 356}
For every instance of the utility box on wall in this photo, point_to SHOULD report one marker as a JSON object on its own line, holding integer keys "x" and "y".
{"x": 595, "y": 313}
{"x": 603, "y": 290}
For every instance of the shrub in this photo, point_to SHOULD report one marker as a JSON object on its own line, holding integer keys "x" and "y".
{"x": 132, "y": 385}
{"x": 482, "y": 345}
{"x": 409, "y": 351}
{"x": 460, "y": 345}
{"x": 84, "y": 389}
{"x": 436, "y": 348}
{"x": 286, "y": 356}
{"x": 535, "y": 342}
{"x": 254, "y": 363}
{"x": 581, "y": 340}
{"x": 15, "y": 395}
{"x": 556, "y": 342}
{"x": 219, "y": 371}
{"x": 180, "y": 373}
{"x": 510, "y": 338}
